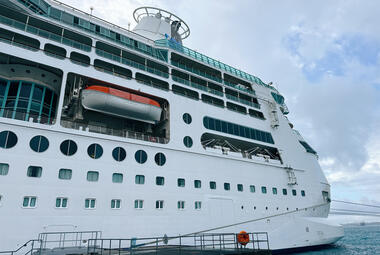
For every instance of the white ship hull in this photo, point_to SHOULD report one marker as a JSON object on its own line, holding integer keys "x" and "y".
{"x": 291, "y": 220}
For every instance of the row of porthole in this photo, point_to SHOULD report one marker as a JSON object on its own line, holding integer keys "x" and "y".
{"x": 40, "y": 143}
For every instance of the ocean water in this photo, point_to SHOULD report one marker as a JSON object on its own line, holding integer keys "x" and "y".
{"x": 357, "y": 240}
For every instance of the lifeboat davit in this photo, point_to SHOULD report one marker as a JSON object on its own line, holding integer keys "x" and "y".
{"x": 121, "y": 104}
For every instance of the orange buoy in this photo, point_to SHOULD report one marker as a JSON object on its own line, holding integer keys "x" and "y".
{"x": 243, "y": 238}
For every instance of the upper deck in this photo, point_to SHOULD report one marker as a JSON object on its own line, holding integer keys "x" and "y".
{"x": 86, "y": 22}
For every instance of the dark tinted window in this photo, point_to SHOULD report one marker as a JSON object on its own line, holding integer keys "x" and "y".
{"x": 34, "y": 171}
{"x": 160, "y": 159}
{"x": 187, "y": 118}
{"x": 240, "y": 187}
{"x": 141, "y": 156}
{"x": 227, "y": 186}
{"x": 119, "y": 154}
{"x": 95, "y": 151}
{"x": 187, "y": 141}
{"x": 8, "y": 139}
{"x": 160, "y": 180}
{"x": 39, "y": 143}
{"x": 68, "y": 147}
{"x": 181, "y": 182}
{"x": 212, "y": 185}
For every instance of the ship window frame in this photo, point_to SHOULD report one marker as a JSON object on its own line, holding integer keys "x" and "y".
{"x": 8, "y": 139}
{"x": 141, "y": 156}
{"x": 227, "y": 186}
{"x": 303, "y": 193}
{"x": 160, "y": 159}
{"x": 197, "y": 184}
{"x": 41, "y": 142}
{"x": 160, "y": 181}
{"x": 34, "y": 171}
{"x": 68, "y": 147}
{"x": 140, "y": 179}
{"x": 240, "y": 187}
{"x": 264, "y": 190}
{"x": 61, "y": 202}
{"x": 95, "y": 151}
{"x": 119, "y": 179}
{"x": 285, "y": 192}
{"x": 115, "y": 204}
{"x": 212, "y": 185}
{"x": 198, "y": 205}
{"x": 90, "y": 203}
{"x": 252, "y": 188}
{"x": 94, "y": 173}
{"x": 29, "y": 202}
{"x": 181, "y": 205}
{"x": 4, "y": 169}
{"x": 65, "y": 170}
{"x": 119, "y": 154}
{"x": 139, "y": 204}
{"x": 188, "y": 141}
{"x": 274, "y": 191}
{"x": 160, "y": 204}
{"x": 180, "y": 183}
{"x": 187, "y": 118}
{"x": 294, "y": 192}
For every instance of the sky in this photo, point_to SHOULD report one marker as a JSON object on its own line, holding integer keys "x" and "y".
{"x": 323, "y": 56}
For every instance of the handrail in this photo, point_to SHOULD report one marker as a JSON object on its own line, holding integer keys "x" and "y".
{"x": 25, "y": 245}
{"x": 221, "y": 242}
{"x": 44, "y": 33}
{"x": 243, "y": 101}
{"x": 131, "y": 63}
{"x": 114, "y": 132}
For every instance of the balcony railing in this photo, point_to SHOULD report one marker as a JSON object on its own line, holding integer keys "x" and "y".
{"x": 113, "y": 132}
{"x": 131, "y": 63}
{"x": 210, "y": 61}
{"x": 22, "y": 115}
{"x": 197, "y": 86}
{"x": 196, "y": 71}
{"x": 235, "y": 86}
{"x": 246, "y": 102}
{"x": 44, "y": 33}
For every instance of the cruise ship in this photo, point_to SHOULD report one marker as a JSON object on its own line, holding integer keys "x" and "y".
{"x": 132, "y": 134}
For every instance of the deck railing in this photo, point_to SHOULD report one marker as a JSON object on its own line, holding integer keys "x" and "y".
{"x": 224, "y": 243}
{"x": 113, "y": 132}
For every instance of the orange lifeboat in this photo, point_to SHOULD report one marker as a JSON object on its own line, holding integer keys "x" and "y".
{"x": 120, "y": 103}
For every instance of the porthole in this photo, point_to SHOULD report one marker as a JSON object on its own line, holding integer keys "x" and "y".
{"x": 160, "y": 159}
{"x": 187, "y": 118}
{"x": 119, "y": 154}
{"x": 95, "y": 151}
{"x": 187, "y": 141}
{"x": 141, "y": 156}
{"x": 68, "y": 147}
{"x": 8, "y": 139}
{"x": 39, "y": 143}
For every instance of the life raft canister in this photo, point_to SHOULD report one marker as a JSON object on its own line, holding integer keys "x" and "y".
{"x": 243, "y": 238}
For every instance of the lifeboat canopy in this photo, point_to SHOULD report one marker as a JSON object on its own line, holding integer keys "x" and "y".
{"x": 120, "y": 103}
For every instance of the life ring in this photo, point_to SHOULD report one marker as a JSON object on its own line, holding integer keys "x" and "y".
{"x": 243, "y": 238}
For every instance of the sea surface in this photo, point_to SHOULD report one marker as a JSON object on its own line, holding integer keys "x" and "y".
{"x": 357, "y": 240}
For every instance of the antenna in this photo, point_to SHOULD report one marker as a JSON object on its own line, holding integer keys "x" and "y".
{"x": 129, "y": 25}
{"x": 91, "y": 9}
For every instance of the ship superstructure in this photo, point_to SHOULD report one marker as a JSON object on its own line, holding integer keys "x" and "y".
{"x": 133, "y": 134}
